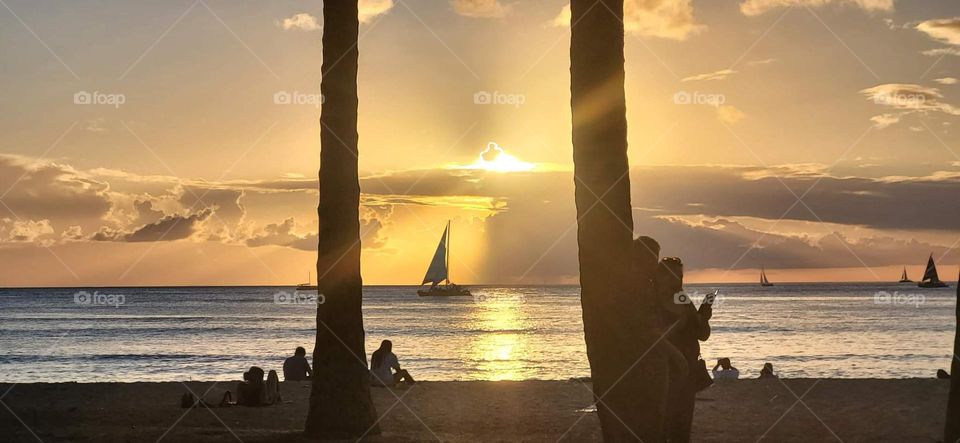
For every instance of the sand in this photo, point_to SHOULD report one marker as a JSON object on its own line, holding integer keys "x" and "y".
{"x": 746, "y": 410}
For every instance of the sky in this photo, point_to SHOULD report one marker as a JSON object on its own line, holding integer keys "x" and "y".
{"x": 177, "y": 142}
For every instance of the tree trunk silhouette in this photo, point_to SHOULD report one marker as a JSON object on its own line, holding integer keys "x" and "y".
{"x": 951, "y": 431}
{"x": 629, "y": 384}
{"x": 340, "y": 403}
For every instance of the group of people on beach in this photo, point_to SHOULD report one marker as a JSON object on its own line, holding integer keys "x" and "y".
{"x": 385, "y": 370}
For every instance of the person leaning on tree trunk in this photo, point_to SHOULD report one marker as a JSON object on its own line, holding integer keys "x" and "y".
{"x": 686, "y": 327}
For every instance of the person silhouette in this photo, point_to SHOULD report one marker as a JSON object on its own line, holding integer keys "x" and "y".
{"x": 686, "y": 328}
{"x": 297, "y": 368}
{"x": 382, "y": 362}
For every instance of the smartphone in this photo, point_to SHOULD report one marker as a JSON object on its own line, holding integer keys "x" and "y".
{"x": 709, "y": 299}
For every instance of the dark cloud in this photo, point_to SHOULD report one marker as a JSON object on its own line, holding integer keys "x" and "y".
{"x": 721, "y": 191}
{"x": 536, "y": 242}
{"x": 169, "y": 228}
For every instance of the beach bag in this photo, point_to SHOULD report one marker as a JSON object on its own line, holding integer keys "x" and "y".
{"x": 700, "y": 376}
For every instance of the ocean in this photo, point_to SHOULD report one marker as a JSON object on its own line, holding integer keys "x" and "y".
{"x": 126, "y": 334}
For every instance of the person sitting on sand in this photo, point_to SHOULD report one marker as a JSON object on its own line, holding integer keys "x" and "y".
{"x": 381, "y": 363}
{"x": 252, "y": 391}
{"x": 767, "y": 371}
{"x": 296, "y": 368}
{"x": 725, "y": 371}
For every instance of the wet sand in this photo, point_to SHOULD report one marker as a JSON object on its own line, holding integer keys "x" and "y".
{"x": 746, "y": 410}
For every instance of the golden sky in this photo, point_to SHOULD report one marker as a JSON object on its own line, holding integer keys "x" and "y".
{"x": 176, "y": 142}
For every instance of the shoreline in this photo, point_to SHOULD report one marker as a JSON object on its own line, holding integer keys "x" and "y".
{"x": 744, "y": 410}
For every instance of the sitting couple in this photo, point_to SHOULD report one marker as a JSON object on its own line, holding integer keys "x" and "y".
{"x": 383, "y": 363}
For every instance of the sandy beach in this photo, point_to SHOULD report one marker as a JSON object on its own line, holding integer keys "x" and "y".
{"x": 747, "y": 410}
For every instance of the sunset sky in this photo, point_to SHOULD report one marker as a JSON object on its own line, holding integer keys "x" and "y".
{"x": 816, "y": 137}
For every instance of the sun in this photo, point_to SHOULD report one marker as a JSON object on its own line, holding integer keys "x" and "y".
{"x": 495, "y": 159}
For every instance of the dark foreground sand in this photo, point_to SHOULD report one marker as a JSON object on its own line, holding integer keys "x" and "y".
{"x": 747, "y": 410}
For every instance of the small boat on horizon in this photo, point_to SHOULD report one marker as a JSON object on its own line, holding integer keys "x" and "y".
{"x": 439, "y": 271}
{"x": 763, "y": 278}
{"x": 904, "y": 278}
{"x": 930, "y": 277}
{"x": 308, "y": 286}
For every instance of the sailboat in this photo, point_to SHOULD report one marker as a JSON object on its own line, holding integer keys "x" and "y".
{"x": 307, "y": 286}
{"x": 763, "y": 278}
{"x": 904, "y": 278}
{"x": 930, "y": 278}
{"x": 439, "y": 271}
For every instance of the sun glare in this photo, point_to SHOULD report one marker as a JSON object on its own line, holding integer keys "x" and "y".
{"x": 495, "y": 159}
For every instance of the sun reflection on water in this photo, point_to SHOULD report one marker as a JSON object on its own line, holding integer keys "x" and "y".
{"x": 500, "y": 350}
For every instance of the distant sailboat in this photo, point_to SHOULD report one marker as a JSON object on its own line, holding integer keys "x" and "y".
{"x": 930, "y": 277}
{"x": 763, "y": 277}
{"x": 307, "y": 286}
{"x": 439, "y": 271}
{"x": 904, "y": 278}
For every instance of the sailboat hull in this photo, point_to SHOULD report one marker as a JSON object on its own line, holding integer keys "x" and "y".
{"x": 932, "y": 284}
{"x": 445, "y": 291}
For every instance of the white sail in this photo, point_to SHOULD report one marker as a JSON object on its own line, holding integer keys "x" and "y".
{"x": 763, "y": 277}
{"x": 437, "y": 272}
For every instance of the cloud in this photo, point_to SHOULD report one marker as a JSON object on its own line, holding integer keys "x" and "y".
{"x": 942, "y": 52}
{"x": 765, "y": 61}
{"x": 480, "y": 8}
{"x": 670, "y": 19}
{"x": 283, "y": 234}
{"x": 224, "y": 202}
{"x": 904, "y": 203}
{"x": 945, "y": 30}
{"x": 72, "y": 234}
{"x": 145, "y": 212}
{"x": 885, "y": 120}
{"x": 300, "y": 22}
{"x": 946, "y": 81}
{"x": 25, "y": 231}
{"x": 758, "y": 7}
{"x": 368, "y": 9}
{"x": 169, "y": 228}
{"x": 286, "y": 234}
{"x": 35, "y": 190}
{"x": 730, "y": 114}
{"x": 908, "y": 98}
{"x": 716, "y": 75}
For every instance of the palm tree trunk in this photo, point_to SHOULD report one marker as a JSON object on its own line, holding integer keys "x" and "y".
{"x": 629, "y": 384}
{"x": 340, "y": 403}
{"x": 951, "y": 430}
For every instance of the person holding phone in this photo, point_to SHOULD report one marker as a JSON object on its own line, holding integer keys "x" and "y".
{"x": 686, "y": 328}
